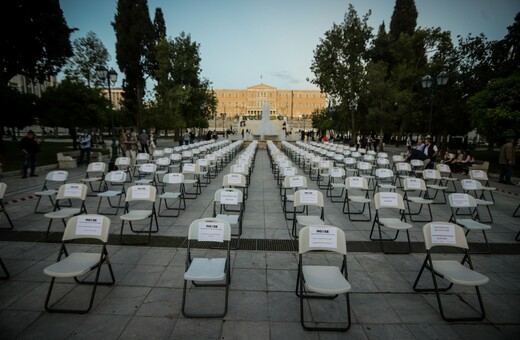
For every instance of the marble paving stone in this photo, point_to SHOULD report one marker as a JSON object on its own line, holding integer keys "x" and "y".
{"x": 246, "y": 330}
{"x": 197, "y": 329}
{"x": 141, "y": 327}
{"x": 162, "y": 302}
{"x": 101, "y": 327}
{"x": 14, "y": 322}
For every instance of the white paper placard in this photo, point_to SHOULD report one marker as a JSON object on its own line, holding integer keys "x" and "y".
{"x": 413, "y": 183}
{"x": 234, "y": 179}
{"x": 141, "y": 191}
{"x": 459, "y": 200}
{"x": 175, "y": 178}
{"x": 188, "y": 167}
{"x": 175, "y": 157}
{"x": 479, "y": 174}
{"x": 309, "y": 196}
{"x": 229, "y": 197}
{"x": 72, "y": 190}
{"x": 211, "y": 231}
{"x": 283, "y": 163}
{"x": 124, "y": 161}
{"x": 323, "y": 237}
{"x": 289, "y": 171}
{"x": 324, "y": 164}
{"x": 59, "y": 175}
{"x": 470, "y": 185}
{"x": 355, "y": 182}
{"x": 203, "y": 162}
{"x": 335, "y": 172}
{"x": 443, "y": 233}
{"x": 296, "y": 182}
{"x": 89, "y": 225}
{"x": 402, "y": 166}
{"x": 97, "y": 166}
{"x": 428, "y": 173}
{"x": 147, "y": 167}
{"x": 117, "y": 176}
{"x": 238, "y": 168}
{"x": 388, "y": 199}
{"x": 363, "y": 166}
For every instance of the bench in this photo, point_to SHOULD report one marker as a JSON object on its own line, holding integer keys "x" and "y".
{"x": 480, "y": 165}
{"x": 68, "y": 159}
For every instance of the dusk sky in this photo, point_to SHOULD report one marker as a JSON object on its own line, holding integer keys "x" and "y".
{"x": 246, "y": 42}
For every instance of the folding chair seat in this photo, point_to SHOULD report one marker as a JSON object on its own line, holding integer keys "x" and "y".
{"x": 146, "y": 174}
{"x": 412, "y": 184}
{"x": 228, "y": 205}
{"x": 113, "y": 179}
{"x": 336, "y": 180}
{"x": 356, "y": 192}
{"x": 310, "y": 200}
{"x": 236, "y": 181}
{"x": 465, "y": 201}
{"x": 50, "y": 187}
{"x": 191, "y": 174}
{"x": 384, "y": 180}
{"x": 323, "y": 281}
{"x": 140, "y": 195}
{"x": 442, "y": 234}
{"x": 70, "y": 192}
{"x": 95, "y": 173}
{"x": 6, "y": 274}
{"x": 74, "y": 264}
{"x": 170, "y": 181}
{"x": 482, "y": 177}
{"x": 446, "y": 177}
{"x": 433, "y": 181}
{"x": 3, "y": 188}
{"x": 291, "y": 184}
{"x": 207, "y": 271}
{"x": 390, "y": 201}
{"x": 125, "y": 164}
{"x": 471, "y": 185}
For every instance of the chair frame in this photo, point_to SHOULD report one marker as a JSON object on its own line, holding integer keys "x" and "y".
{"x": 129, "y": 198}
{"x": 108, "y": 180}
{"x": 305, "y": 206}
{"x": 181, "y": 198}
{"x": 103, "y": 259}
{"x": 347, "y": 200}
{"x": 428, "y": 265}
{"x": 61, "y": 196}
{"x": 40, "y": 194}
{"x": 420, "y": 200}
{"x": 300, "y": 290}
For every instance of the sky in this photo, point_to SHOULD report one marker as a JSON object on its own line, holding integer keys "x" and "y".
{"x": 248, "y": 42}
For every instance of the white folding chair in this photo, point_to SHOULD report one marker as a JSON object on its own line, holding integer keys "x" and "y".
{"x": 471, "y": 185}
{"x": 207, "y": 271}
{"x": 95, "y": 173}
{"x": 465, "y": 201}
{"x": 322, "y": 281}
{"x": 433, "y": 181}
{"x": 144, "y": 194}
{"x": 191, "y": 174}
{"x": 3, "y": 188}
{"x": 74, "y": 264}
{"x": 114, "y": 179}
{"x": 146, "y": 174}
{"x": 356, "y": 192}
{"x": 336, "y": 180}
{"x": 413, "y": 184}
{"x": 71, "y": 192}
{"x": 447, "y": 177}
{"x": 125, "y": 164}
{"x": 290, "y": 185}
{"x": 172, "y": 180}
{"x": 390, "y": 201}
{"x": 442, "y": 234}
{"x": 482, "y": 177}
{"x": 384, "y": 180}
{"x": 308, "y": 200}
{"x": 228, "y": 205}
{"x": 53, "y": 178}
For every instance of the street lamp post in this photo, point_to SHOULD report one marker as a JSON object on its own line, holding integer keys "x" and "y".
{"x": 427, "y": 82}
{"x": 110, "y": 77}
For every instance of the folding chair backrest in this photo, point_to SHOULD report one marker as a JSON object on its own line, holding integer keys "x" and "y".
{"x": 388, "y": 200}
{"x": 337, "y": 172}
{"x": 417, "y": 162}
{"x": 190, "y": 168}
{"x": 3, "y": 188}
{"x": 364, "y": 166}
{"x": 414, "y": 184}
{"x": 175, "y": 157}
{"x": 461, "y": 201}
{"x": 122, "y": 162}
{"x": 229, "y": 196}
{"x": 431, "y": 174}
{"x": 479, "y": 175}
{"x": 173, "y": 178}
{"x": 57, "y": 176}
{"x": 397, "y": 158}
{"x": 143, "y": 156}
{"x": 308, "y": 197}
{"x": 97, "y": 167}
{"x": 403, "y": 167}
{"x": 382, "y": 155}
{"x": 72, "y": 191}
{"x": 158, "y": 154}
{"x": 356, "y": 182}
{"x": 202, "y": 228}
{"x": 382, "y": 162}
{"x": 141, "y": 193}
{"x": 117, "y": 176}
{"x": 323, "y": 238}
{"x": 239, "y": 169}
{"x": 444, "y": 234}
{"x": 384, "y": 173}
{"x": 234, "y": 180}
{"x": 87, "y": 226}
{"x": 163, "y": 161}
{"x": 443, "y": 168}
{"x": 296, "y": 181}
{"x": 147, "y": 168}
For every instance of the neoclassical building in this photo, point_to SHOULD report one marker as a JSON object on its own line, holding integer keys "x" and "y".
{"x": 293, "y": 104}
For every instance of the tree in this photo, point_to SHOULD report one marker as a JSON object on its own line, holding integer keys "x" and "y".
{"x": 72, "y": 104}
{"x": 134, "y": 34}
{"x": 404, "y": 18}
{"x": 89, "y": 55}
{"x": 18, "y": 109}
{"x": 339, "y": 64}
{"x": 39, "y": 45}
{"x": 496, "y": 109}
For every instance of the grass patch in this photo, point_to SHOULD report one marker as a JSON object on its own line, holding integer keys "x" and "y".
{"x": 11, "y": 155}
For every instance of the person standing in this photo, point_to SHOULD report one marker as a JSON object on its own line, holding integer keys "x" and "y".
{"x": 143, "y": 140}
{"x": 30, "y": 148}
{"x": 186, "y": 137}
{"x": 507, "y": 160}
{"x": 85, "y": 146}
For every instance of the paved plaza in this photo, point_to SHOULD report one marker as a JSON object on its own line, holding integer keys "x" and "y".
{"x": 145, "y": 301}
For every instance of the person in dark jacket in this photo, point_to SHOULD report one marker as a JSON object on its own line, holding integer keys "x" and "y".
{"x": 30, "y": 148}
